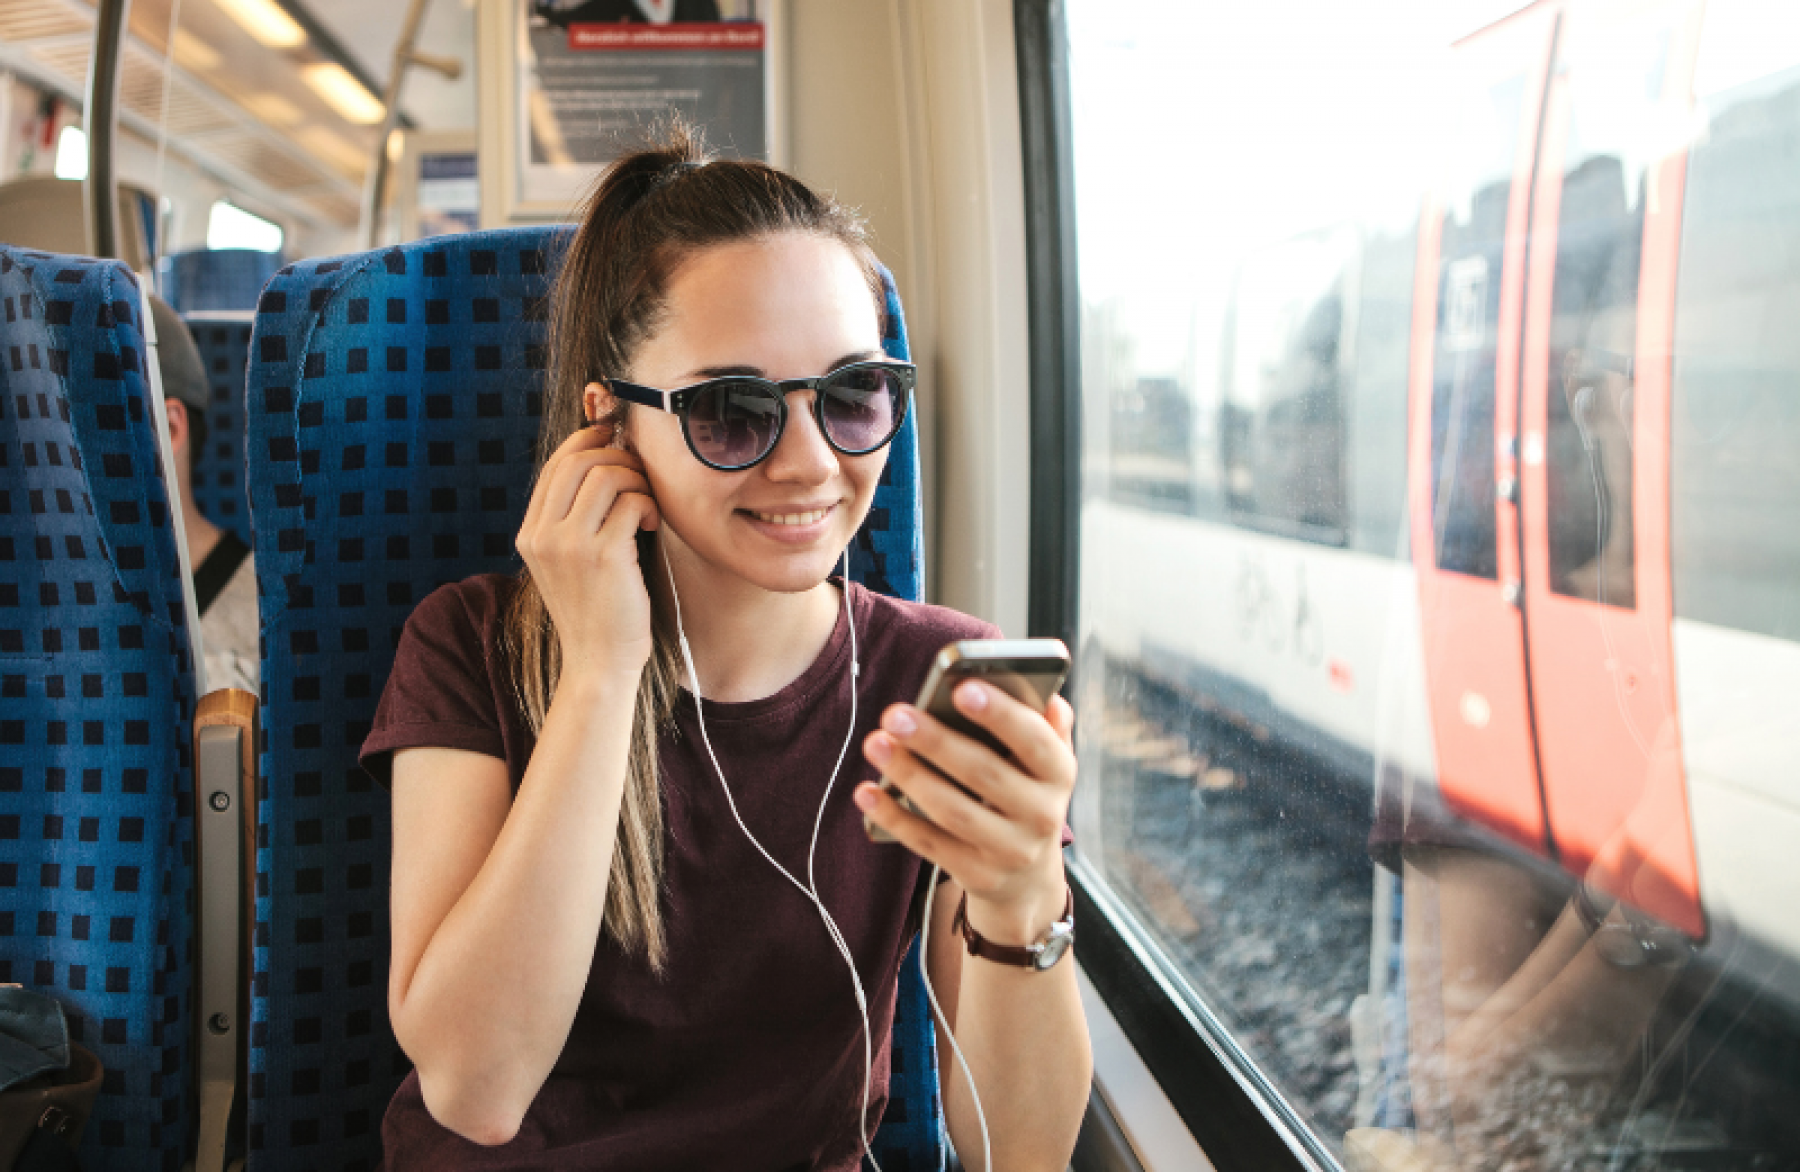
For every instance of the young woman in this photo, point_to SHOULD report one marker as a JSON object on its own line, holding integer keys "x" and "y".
{"x": 593, "y": 966}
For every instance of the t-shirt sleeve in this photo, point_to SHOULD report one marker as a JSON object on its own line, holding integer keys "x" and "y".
{"x": 440, "y": 693}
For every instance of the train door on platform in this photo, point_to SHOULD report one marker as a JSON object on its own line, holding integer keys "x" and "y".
{"x": 1468, "y": 303}
{"x": 1594, "y": 444}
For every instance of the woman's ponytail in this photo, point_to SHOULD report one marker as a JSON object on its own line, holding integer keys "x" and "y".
{"x": 650, "y": 209}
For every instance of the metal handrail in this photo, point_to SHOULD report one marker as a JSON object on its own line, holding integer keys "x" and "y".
{"x": 100, "y": 191}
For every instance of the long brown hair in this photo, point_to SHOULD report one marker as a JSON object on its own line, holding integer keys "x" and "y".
{"x": 651, "y": 209}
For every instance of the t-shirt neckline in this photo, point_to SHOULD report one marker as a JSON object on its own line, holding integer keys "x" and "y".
{"x": 821, "y": 675}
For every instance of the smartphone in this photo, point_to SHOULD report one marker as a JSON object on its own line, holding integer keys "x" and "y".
{"x": 1029, "y": 670}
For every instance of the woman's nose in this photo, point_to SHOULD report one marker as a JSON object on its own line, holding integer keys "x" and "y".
{"x": 802, "y": 455}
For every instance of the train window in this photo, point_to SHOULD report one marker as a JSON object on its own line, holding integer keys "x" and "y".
{"x": 1376, "y": 379}
{"x": 1438, "y": 618}
{"x": 1735, "y": 478}
{"x": 233, "y": 227}
{"x": 1151, "y": 433}
{"x": 1468, "y": 330}
{"x": 1246, "y": 314}
{"x": 1156, "y": 437}
{"x": 1615, "y": 106}
{"x": 71, "y": 153}
{"x": 1281, "y": 427}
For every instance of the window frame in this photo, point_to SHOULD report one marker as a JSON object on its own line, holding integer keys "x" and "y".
{"x": 1236, "y": 1116}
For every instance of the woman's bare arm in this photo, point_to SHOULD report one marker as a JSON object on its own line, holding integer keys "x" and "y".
{"x": 1023, "y": 1032}
{"x": 497, "y": 906}
{"x": 1025, "y": 1037}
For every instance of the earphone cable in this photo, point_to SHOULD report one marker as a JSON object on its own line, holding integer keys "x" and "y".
{"x": 831, "y": 927}
{"x": 987, "y": 1155}
{"x": 810, "y": 888}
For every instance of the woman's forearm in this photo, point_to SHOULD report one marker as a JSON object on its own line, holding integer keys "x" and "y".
{"x": 1025, "y": 1036}
{"x": 490, "y": 1003}
{"x": 998, "y": 834}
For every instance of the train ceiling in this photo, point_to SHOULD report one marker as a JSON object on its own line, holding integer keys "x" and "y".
{"x": 282, "y": 123}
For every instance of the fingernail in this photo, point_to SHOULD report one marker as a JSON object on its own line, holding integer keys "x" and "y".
{"x": 879, "y": 750}
{"x": 971, "y": 697}
{"x": 865, "y": 797}
{"x": 900, "y": 722}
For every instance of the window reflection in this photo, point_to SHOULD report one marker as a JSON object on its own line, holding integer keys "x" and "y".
{"x": 1735, "y": 478}
{"x": 1593, "y": 328}
{"x": 1462, "y": 403}
{"x": 1281, "y": 425}
{"x": 1422, "y": 985}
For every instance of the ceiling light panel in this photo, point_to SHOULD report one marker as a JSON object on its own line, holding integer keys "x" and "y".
{"x": 266, "y": 21}
{"x": 343, "y": 93}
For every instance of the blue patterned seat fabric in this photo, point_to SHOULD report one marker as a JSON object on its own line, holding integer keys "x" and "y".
{"x": 393, "y": 400}
{"x": 96, "y": 696}
{"x": 224, "y": 344}
{"x": 203, "y": 280}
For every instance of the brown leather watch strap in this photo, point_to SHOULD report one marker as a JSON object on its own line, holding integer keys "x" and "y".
{"x": 979, "y": 945}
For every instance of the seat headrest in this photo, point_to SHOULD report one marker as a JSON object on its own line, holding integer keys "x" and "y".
{"x": 46, "y": 214}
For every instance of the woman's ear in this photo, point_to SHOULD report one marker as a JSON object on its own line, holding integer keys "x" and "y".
{"x": 596, "y": 402}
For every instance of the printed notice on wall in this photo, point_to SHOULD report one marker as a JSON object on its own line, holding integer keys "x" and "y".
{"x": 594, "y": 75}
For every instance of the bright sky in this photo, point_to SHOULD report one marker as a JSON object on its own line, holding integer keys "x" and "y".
{"x": 1205, "y": 131}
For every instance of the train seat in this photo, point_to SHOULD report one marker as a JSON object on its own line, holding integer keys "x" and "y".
{"x": 96, "y": 694}
{"x": 224, "y": 343}
{"x": 213, "y": 280}
{"x": 393, "y": 409}
{"x": 45, "y": 213}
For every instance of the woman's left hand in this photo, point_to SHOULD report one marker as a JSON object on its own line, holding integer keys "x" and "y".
{"x": 1006, "y": 848}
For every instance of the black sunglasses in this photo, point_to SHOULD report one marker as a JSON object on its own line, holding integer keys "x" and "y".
{"x": 733, "y": 423}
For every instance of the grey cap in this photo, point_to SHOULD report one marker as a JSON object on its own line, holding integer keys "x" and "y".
{"x": 183, "y": 374}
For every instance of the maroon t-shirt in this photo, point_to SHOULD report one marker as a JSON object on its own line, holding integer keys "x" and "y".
{"x": 748, "y": 1051}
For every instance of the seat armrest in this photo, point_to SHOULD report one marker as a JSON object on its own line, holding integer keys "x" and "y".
{"x": 225, "y": 788}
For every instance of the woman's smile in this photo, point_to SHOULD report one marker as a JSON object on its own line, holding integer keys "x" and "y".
{"x": 792, "y": 525}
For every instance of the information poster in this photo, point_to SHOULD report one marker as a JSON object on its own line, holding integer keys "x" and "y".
{"x": 591, "y": 76}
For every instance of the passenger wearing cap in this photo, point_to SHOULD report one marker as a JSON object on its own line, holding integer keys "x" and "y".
{"x": 224, "y": 571}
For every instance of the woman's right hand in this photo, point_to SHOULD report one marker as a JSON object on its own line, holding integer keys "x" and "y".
{"x": 579, "y": 540}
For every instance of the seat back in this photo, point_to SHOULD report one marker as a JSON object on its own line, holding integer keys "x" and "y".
{"x": 96, "y": 696}
{"x": 46, "y": 213}
{"x": 209, "y": 280}
{"x": 224, "y": 343}
{"x": 394, "y": 401}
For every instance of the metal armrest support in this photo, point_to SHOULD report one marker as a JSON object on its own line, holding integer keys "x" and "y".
{"x": 225, "y": 727}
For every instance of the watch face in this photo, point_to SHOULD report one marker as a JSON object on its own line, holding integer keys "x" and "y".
{"x": 1052, "y": 949}
{"x": 1619, "y": 946}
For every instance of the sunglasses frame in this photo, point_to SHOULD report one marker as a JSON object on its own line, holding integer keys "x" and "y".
{"x": 680, "y": 404}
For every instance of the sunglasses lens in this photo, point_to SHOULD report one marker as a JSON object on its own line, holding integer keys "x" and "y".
{"x": 863, "y": 407}
{"x": 732, "y": 424}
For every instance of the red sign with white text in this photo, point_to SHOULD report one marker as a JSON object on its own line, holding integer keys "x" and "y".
{"x": 646, "y": 37}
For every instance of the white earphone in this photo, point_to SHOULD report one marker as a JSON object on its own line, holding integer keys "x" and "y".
{"x": 810, "y": 888}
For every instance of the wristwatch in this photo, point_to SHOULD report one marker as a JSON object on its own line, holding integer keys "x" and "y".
{"x": 1634, "y": 939}
{"x": 1040, "y": 956}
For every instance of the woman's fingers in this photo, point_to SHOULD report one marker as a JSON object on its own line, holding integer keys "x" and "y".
{"x": 561, "y": 486}
{"x": 556, "y": 492}
{"x": 1027, "y": 733}
{"x": 940, "y": 800}
{"x": 585, "y": 439}
{"x": 1016, "y": 787}
{"x": 631, "y": 512}
{"x": 929, "y": 842}
{"x": 600, "y": 487}
{"x": 982, "y": 771}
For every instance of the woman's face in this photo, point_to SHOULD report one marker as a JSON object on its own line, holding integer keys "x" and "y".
{"x": 791, "y": 306}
